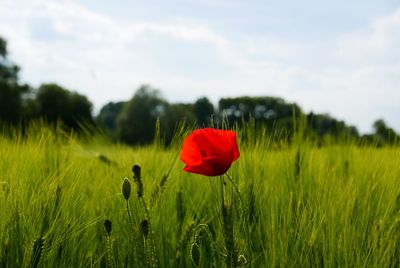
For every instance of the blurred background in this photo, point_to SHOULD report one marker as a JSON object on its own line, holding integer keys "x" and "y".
{"x": 121, "y": 65}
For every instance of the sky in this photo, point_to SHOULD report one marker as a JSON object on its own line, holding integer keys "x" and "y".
{"x": 338, "y": 57}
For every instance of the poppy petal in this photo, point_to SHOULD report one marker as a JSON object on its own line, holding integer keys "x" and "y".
{"x": 209, "y": 151}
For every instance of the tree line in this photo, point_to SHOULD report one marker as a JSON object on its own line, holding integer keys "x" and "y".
{"x": 134, "y": 121}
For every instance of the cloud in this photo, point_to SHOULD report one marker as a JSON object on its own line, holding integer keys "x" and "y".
{"x": 370, "y": 64}
{"x": 379, "y": 44}
{"x": 353, "y": 76}
{"x": 78, "y": 42}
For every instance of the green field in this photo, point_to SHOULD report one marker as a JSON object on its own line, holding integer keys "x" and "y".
{"x": 302, "y": 205}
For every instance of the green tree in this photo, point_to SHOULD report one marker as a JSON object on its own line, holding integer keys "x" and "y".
{"x": 203, "y": 110}
{"x": 81, "y": 110}
{"x": 56, "y": 103}
{"x": 324, "y": 125}
{"x": 137, "y": 120}
{"x": 108, "y": 115}
{"x": 11, "y": 92}
{"x": 383, "y": 133}
{"x": 176, "y": 114}
{"x": 270, "y": 111}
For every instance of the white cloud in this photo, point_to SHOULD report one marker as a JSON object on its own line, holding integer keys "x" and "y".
{"x": 380, "y": 44}
{"x": 88, "y": 43}
{"x": 370, "y": 64}
{"x": 354, "y": 78}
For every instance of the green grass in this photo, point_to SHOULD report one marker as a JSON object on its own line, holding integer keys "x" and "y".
{"x": 304, "y": 206}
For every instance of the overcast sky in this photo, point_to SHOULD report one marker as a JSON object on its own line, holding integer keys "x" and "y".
{"x": 339, "y": 57}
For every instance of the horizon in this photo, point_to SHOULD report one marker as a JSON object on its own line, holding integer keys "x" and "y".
{"x": 342, "y": 59}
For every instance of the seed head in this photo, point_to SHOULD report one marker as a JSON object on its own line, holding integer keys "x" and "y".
{"x": 108, "y": 226}
{"x": 136, "y": 172}
{"x": 144, "y": 227}
{"x": 137, "y": 177}
{"x": 139, "y": 189}
{"x": 242, "y": 261}
{"x": 195, "y": 254}
{"x": 126, "y": 189}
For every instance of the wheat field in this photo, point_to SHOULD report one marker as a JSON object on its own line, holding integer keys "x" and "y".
{"x": 297, "y": 205}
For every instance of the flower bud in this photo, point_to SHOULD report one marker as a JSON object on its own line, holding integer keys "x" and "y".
{"x": 108, "y": 226}
{"x": 126, "y": 189}
{"x": 144, "y": 228}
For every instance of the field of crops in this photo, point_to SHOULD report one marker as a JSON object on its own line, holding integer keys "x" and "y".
{"x": 298, "y": 205}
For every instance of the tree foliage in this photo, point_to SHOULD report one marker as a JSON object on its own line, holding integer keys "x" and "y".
{"x": 272, "y": 112}
{"x": 321, "y": 125}
{"x": 107, "y": 117}
{"x": 137, "y": 120}
{"x": 11, "y": 92}
{"x": 56, "y": 103}
{"x": 134, "y": 121}
{"x": 203, "y": 111}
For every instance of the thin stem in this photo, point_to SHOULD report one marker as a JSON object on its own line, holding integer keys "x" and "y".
{"x": 109, "y": 248}
{"x": 129, "y": 213}
{"x": 221, "y": 180}
{"x": 147, "y": 244}
{"x": 236, "y": 189}
{"x": 131, "y": 237}
{"x": 247, "y": 227}
{"x": 146, "y": 209}
{"x": 228, "y": 225}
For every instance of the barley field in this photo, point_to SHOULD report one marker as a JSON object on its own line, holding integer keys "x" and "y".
{"x": 65, "y": 202}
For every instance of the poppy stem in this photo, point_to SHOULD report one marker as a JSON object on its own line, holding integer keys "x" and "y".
{"x": 222, "y": 190}
{"x": 129, "y": 214}
{"x": 227, "y": 223}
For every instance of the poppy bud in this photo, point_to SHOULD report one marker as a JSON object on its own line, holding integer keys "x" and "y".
{"x": 144, "y": 227}
{"x": 108, "y": 226}
{"x": 136, "y": 172}
{"x": 126, "y": 189}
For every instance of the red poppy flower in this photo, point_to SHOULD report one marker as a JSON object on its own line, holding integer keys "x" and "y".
{"x": 209, "y": 151}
